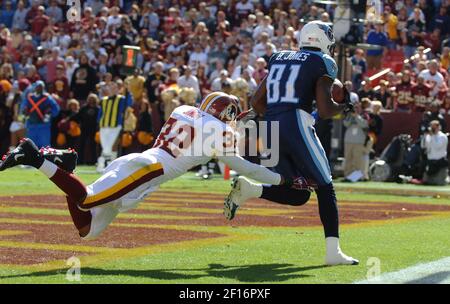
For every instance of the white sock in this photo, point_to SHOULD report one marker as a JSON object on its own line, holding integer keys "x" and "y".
{"x": 332, "y": 244}
{"x": 257, "y": 190}
{"x": 48, "y": 168}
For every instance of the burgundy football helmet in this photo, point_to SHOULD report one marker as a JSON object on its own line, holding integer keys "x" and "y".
{"x": 222, "y": 106}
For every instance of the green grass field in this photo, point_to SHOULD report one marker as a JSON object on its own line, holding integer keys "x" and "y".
{"x": 251, "y": 253}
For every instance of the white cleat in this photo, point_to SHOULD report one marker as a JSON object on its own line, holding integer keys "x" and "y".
{"x": 335, "y": 256}
{"x": 340, "y": 258}
{"x": 242, "y": 190}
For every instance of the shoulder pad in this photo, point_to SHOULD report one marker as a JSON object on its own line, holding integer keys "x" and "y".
{"x": 331, "y": 66}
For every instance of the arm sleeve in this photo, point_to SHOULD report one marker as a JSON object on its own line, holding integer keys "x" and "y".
{"x": 254, "y": 171}
{"x": 330, "y": 66}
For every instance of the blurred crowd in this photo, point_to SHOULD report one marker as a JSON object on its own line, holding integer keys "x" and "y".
{"x": 188, "y": 49}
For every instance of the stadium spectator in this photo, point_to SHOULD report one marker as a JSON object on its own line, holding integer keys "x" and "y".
{"x": 433, "y": 77}
{"x": 378, "y": 39}
{"x": 84, "y": 79}
{"x": 244, "y": 65}
{"x": 421, "y": 95}
{"x": 445, "y": 58}
{"x": 144, "y": 127}
{"x": 7, "y": 15}
{"x": 435, "y": 143}
{"x": 354, "y": 142}
{"x": 260, "y": 71}
{"x": 17, "y": 127}
{"x": 136, "y": 85}
{"x": 403, "y": 95}
{"x": 51, "y": 62}
{"x": 365, "y": 112}
{"x": 442, "y": 20}
{"x": 38, "y": 23}
{"x": 219, "y": 81}
{"x": 391, "y": 26}
{"x": 375, "y": 121}
{"x": 69, "y": 126}
{"x": 111, "y": 117}
{"x": 366, "y": 90}
{"x": 413, "y": 33}
{"x": 359, "y": 67}
{"x": 188, "y": 80}
{"x": 202, "y": 80}
{"x": 265, "y": 26}
{"x": 54, "y": 11}
{"x": 384, "y": 95}
{"x": 244, "y": 8}
{"x": 20, "y": 15}
{"x": 39, "y": 108}
{"x": 446, "y": 104}
{"x": 5, "y": 122}
{"x": 432, "y": 40}
{"x": 60, "y": 84}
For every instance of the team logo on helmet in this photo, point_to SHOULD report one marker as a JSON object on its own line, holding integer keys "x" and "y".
{"x": 328, "y": 31}
{"x": 229, "y": 113}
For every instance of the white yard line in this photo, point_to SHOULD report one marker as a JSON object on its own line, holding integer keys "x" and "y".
{"x": 437, "y": 272}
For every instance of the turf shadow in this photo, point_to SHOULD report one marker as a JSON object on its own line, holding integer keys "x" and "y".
{"x": 244, "y": 273}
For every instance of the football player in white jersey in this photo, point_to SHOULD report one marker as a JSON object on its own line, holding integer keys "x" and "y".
{"x": 190, "y": 137}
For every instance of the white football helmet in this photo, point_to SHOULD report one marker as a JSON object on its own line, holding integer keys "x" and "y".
{"x": 318, "y": 34}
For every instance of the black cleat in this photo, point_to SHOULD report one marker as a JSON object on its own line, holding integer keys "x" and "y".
{"x": 26, "y": 153}
{"x": 64, "y": 159}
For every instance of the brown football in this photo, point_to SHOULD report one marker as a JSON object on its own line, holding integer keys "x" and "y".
{"x": 337, "y": 91}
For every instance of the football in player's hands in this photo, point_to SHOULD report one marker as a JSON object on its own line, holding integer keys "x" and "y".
{"x": 338, "y": 91}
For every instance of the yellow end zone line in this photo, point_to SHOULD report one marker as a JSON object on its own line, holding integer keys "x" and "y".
{"x": 50, "y": 212}
{"x": 262, "y": 211}
{"x": 372, "y": 223}
{"x": 198, "y": 228}
{"x": 187, "y": 210}
{"x": 13, "y": 232}
{"x": 60, "y": 247}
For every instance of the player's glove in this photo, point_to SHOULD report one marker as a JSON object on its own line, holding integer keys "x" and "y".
{"x": 349, "y": 106}
{"x": 248, "y": 115}
{"x": 299, "y": 183}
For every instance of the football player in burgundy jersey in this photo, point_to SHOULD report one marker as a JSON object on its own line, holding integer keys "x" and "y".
{"x": 421, "y": 95}
{"x": 403, "y": 97}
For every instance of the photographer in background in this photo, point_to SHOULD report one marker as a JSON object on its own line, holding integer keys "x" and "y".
{"x": 354, "y": 142}
{"x": 435, "y": 143}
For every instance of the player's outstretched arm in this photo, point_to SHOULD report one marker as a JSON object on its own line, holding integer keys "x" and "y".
{"x": 326, "y": 107}
{"x": 259, "y": 99}
{"x": 254, "y": 171}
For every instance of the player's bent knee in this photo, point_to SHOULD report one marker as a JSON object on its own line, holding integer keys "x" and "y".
{"x": 101, "y": 218}
{"x": 300, "y": 199}
{"x": 296, "y": 197}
